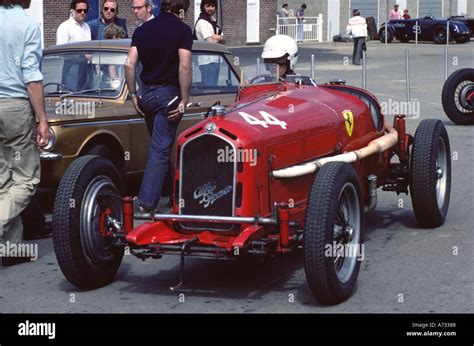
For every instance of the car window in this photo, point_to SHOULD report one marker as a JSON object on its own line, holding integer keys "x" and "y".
{"x": 86, "y": 73}
{"x": 212, "y": 75}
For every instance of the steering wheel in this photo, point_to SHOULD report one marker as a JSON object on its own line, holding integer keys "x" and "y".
{"x": 262, "y": 78}
{"x": 60, "y": 86}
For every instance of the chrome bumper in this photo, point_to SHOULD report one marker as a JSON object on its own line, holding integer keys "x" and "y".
{"x": 47, "y": 156}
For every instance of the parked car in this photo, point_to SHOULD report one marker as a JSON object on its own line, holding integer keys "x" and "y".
{"x": 429, "y": 29}
{"x": 458, "y": 96}
{"x": 463, "y": 19}
{"x": 90, "y": 112}
{"x": 289, "y": 164}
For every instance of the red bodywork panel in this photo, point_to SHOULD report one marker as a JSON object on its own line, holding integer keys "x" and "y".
{"x": 318, "y": 124}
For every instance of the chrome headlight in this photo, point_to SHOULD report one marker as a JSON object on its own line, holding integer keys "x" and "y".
{"x": 455, "y": 28}
{"x": 52, "y": 140}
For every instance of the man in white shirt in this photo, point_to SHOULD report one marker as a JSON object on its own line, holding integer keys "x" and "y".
{"x": 75, "y": 29}
{"x": 206, "y": 29}
{"x": 142, "y": 10}
{"x": 357, "y": 27}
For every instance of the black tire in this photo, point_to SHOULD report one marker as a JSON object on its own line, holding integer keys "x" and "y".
{"x": 382, "y": 35}
{"x": 457, "y": 87}
{"x": 440, "y": 35}
{"x": 430, "y": 173}
{"x": 86, "y": 259}
{"x": 335, "y": 187}
{"x": 461, "y": 40}
{"x": 404, "y": 38}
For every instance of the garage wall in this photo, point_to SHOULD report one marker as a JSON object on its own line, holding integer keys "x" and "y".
{"x": 431, "y": 7}
{"x": 367, "y": 8}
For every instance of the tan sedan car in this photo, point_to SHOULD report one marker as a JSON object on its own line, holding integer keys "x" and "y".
{"x": 90, "y": 111}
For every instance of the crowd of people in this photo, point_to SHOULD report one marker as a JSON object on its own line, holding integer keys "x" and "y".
{"x": 108, "y": 26}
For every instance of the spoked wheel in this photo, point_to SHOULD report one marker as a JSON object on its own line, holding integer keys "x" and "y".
{"x": 382, "y": 33}
{"x": 333, "y": 234}
{"x": 430, "y": 173}
{"x": 440, "y": 35}
{"x": 458, "y": 96}
{"x": 88, "y": 193}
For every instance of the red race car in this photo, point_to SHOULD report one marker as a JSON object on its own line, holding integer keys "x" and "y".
{"x": 288, "y": 164}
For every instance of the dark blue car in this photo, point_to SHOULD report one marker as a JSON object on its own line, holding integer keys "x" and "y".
{"x": 429, "y": 29}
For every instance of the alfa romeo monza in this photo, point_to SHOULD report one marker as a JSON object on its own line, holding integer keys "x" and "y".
{"x": 288, "y": 165}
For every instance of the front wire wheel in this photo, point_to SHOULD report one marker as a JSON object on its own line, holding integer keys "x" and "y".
{"x": 333, "y": 234}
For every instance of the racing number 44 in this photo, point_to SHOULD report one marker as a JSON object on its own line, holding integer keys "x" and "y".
{"x": 268, "y": 119}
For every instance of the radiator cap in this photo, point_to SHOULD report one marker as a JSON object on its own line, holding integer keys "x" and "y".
{"x": 218, "y": 110}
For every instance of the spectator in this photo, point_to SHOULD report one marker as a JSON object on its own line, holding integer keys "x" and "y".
{"x": 394, "y": 13}
{"x": 284, "y": 14}
{"x": 206, "y": 29}
{"x": 142, "y": 10}
{"x": 300, "y": 23}
{"x": 114, "y": 32}
{"x": 163, "y": 47}
{"x": 108, "y": 16}
{"x": 21, "y": 94}
{"x": 75, "y": 29}
{"x": 357, "y": 27}
{"x": 406, "y": 15}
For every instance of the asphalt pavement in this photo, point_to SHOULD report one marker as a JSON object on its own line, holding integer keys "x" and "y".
{"x": 406, "y": 268}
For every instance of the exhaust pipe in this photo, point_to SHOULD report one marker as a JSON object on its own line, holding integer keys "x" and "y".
{"x": 376, "y": 146}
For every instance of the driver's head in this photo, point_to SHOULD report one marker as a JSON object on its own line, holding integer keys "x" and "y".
{"x": 281, "y": 50}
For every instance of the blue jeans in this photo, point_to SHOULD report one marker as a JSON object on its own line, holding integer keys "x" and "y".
{"x": 300, "y": 32}
{"x": 210, "y": 73}
{"x": 153, "y": 103}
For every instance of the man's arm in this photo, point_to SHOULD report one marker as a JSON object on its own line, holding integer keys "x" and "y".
{"x": 185, "y": 80}
{"x": 130, "y": 66}
{"x": 32, "y": 77}
{"x": 35, "y": 92}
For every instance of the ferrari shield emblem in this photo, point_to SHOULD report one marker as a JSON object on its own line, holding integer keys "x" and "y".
{"x": 349, "y": 121}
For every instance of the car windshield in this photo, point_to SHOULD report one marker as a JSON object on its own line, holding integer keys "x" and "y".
{"x": 85, "y": 73}
{"x": 259, "y": 74}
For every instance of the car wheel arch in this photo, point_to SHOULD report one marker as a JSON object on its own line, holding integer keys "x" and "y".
{"x": 111, "y": 142}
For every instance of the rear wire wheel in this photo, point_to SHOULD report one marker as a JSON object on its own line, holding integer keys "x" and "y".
{"x": 458, "y": 96}
{"x": 430, "y": 173}
{"x": 334, "y": 223}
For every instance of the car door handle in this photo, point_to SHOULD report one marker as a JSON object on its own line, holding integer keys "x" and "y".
{"x": 194, "y": 104}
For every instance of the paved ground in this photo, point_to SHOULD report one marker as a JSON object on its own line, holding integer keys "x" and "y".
{"x": 406, "y": 269}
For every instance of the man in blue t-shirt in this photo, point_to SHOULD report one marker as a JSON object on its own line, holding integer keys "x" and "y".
{"x": 163, "y": 46}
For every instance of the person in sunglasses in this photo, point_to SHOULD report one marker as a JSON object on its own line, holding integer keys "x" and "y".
{"x": 75, "y": 29}
{"x": 108, "y": 16}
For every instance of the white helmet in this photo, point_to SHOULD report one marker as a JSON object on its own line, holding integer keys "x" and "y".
{"x": 278, "y": 46}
